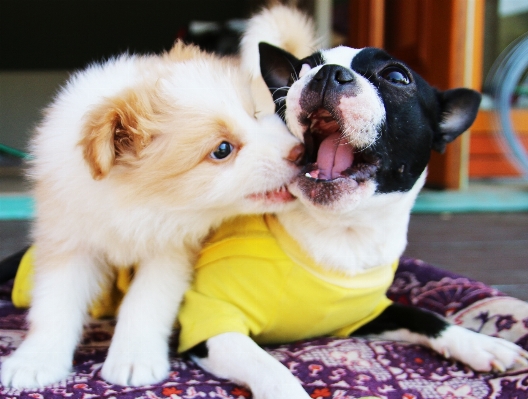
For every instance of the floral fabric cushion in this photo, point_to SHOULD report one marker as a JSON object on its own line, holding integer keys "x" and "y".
{"x": 328, "y": 367}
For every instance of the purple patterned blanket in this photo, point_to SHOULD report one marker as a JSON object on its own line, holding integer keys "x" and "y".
{"x": 329, "y": 368}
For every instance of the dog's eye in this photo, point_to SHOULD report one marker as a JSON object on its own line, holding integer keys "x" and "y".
{"x": 396, "y": 75}
{"x": 222, "y": 151}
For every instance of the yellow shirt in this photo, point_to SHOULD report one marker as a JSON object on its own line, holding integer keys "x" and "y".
{"x": 253, "y": 278}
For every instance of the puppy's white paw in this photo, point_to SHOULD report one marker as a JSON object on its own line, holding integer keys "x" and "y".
{"x": 25, "y": 371}
{"x": 135, "y": 369}
{"x": 480, "y": 352}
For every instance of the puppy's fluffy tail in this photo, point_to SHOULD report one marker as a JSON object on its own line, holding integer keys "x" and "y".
{"x": 281, "y": 26}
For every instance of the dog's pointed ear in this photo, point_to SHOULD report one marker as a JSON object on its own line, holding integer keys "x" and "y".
{"x": 276, "y": 65}
{"x": 459, "y": 109}
{"x": 115, "y": 132}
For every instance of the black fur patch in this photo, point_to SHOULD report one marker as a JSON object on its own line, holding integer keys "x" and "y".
{"x": 199, "y": 350}
{"x": 412, "y": 113}
{"x": 397, "y": 317}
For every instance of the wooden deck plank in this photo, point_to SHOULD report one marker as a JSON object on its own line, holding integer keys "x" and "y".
{"x": 489, "y": 247}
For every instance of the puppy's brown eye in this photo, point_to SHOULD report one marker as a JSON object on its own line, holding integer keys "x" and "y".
{"x": 222, "y": 151}
{"x": 396, "y": 75}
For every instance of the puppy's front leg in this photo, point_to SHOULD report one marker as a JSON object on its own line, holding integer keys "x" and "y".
{"x": 65, "y": 284}
{"x": 414, "y": 325}
{"x": 238, "y": 358}
{"x": 139, "y": 353}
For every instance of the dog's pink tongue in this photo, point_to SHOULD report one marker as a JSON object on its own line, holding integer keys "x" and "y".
{"x": 334, "y": 156}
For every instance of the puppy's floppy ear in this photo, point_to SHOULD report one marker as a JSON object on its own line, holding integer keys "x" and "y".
{"x": 115, "y": 132}
{"x": 458, "y": 109}
{"x": 276, "y": 65}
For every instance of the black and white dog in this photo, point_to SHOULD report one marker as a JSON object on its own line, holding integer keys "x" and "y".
{"x": 369, "y": 124}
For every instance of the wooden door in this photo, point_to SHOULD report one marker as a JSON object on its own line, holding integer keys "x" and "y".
{"x": 439, "y": 39}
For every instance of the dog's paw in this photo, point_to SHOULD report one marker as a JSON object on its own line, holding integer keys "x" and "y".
{"x": 24, "y": 371}
{"x": 135, "y": 369}
{"x": 480, "y": 352}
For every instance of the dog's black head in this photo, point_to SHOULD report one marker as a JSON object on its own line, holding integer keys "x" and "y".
{"x": 368, "y": 121}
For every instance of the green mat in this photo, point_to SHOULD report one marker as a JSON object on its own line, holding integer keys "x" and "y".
{"x": 20, "y": 207}
{"x": 16, "y": 207}
{"x": 472, "y": 201}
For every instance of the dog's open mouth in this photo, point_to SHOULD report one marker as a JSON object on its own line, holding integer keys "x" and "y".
{"x": 329, "y": 154}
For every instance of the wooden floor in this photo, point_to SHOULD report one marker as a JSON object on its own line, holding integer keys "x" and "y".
{"x": 489, "y": 247}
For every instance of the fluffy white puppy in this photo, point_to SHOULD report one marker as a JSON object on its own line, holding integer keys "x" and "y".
{"x": 135, "y": 161}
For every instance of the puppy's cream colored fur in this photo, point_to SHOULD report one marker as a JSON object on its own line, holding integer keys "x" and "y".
{"x": 130, "y": 167}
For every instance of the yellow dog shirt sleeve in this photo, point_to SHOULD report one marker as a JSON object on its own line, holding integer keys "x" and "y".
{"x": 23, "y": 285}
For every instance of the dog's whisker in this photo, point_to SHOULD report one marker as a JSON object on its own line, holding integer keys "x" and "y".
{"x": 282, "y": 111}
{"x": 295, "y": 76}
{"x": 285, "y": 88}
{"x": 280, "y": 99}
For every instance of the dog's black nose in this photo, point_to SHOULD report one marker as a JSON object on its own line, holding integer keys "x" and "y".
{"x": 334, "y": 74}
{"x": 343, "y": 76}
{"x": 332, "y": 77}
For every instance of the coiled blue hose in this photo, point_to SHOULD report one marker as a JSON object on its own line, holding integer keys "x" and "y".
{"x": 503, "y": 80}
